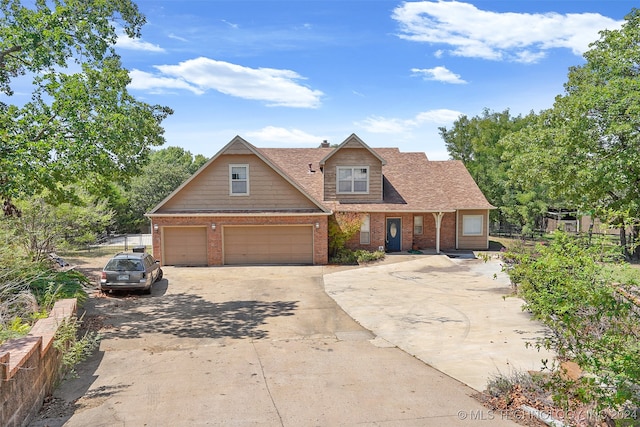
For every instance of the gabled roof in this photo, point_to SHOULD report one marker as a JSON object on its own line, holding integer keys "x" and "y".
{"x": 412, "y": 183}
{"x": 239, "y": 144}
{"x": 353, "y": 138}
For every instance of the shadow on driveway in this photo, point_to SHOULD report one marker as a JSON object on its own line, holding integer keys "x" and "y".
{"x": 188, "y": 316}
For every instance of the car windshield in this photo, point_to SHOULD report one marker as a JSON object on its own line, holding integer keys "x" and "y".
{"x": 124, "y": 265}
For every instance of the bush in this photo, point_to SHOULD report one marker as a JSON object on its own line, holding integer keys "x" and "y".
{"x": 565, "y": 286}
{"x": 368, "y": 256}
{"x": 347, "y": 256}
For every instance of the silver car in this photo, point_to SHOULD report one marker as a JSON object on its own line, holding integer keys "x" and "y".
{"x": 130, "y": 271}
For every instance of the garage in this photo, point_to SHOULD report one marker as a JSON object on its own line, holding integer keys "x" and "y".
{"x": 185, "y": 246}
{"x": 290, "y": 244}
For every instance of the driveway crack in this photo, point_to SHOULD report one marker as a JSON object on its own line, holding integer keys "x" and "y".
{"x": 266, "y": 383}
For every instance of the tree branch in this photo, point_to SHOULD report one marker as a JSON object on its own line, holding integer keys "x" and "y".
{"x": 7, "y": 52}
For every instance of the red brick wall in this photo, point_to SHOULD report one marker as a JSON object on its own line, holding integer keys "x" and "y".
{"x": 425, "y": 241}
{"x": 214, "y": 237}
{"x": 30, "y": 367}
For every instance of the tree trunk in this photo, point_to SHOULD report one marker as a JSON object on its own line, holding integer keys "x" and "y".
{"x": 623, "y": 241}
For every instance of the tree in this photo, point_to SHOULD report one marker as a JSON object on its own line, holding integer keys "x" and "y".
{"x": 81, "y": 125}
{"x": 477, "y": 143}
{"x": 166, "y": 170}
{"x": 43, "y": 227}
{"x": 587, "y": 147}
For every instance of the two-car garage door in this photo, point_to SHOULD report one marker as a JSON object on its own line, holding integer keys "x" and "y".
{"x": 290, "y": 244}
{"x": 286, "y": 244}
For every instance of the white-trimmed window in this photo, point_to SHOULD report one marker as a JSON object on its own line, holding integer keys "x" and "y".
{"x": 352, "y": 179}
{"x": 365, "y": 230}
{"x": 472, "y": 225}
{"x": 239, "y": 180}
{"x": 418, "y": 224}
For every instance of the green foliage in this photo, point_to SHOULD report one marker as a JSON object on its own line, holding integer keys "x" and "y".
{"x": 347, "y": 256}
{"x": 343, "y": 256}
{"x": 29, "y": 289}
{"x": 342, "y": 227}
{"x": 74, "y": 349}
{"x": 81, "y": 126}
{"x": 565, "y": 286}
{"x": 60, "y": 285}
{"x": 166, "y": 170}
{"x": 477, "y": 143}
{"x": 43, "y": 226}
{"x": 584, "y": 149}
{"x": 15, "y": 329}
{"x": 368, "y": 256}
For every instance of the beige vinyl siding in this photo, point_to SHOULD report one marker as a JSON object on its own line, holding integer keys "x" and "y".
{"x": 210, "y": 189}
{"x": 289, "y": 244}
{"x": 473, "y": 241}
{"x": 184, "y": 246}
{"x": 357, "y": 157}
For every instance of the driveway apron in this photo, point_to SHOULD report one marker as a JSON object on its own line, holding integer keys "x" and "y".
{"x": 263, "y": 346}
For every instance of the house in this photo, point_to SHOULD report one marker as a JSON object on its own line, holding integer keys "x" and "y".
{"x": 272, "y": 206}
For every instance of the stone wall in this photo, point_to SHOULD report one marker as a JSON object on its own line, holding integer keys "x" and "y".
{"x": 30, "y": 367}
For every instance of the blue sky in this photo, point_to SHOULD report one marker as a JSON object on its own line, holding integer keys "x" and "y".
{"x": 294, "y": 73}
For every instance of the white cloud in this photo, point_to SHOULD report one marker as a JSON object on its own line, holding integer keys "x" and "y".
{"x": 519, "y": 37}
{"x": 126, "y": 42}
{"x": 142, "y": 80}
{"x": 231, "y": 24}
{"x": 273, "y": 86}
{"x": 440, "y": 74}
{"x": 377, "y": 124}
{"x": 295, "y": 137}
{"x": 177, "y": 37}
{"x": 441, "y": 116}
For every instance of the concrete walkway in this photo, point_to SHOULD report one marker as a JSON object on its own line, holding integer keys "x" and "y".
{"x": 449, "y": 313}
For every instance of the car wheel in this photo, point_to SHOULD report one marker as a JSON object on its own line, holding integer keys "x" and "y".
{"x": 160, "y": 273}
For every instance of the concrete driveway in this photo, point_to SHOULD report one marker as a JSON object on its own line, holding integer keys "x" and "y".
{"x": 262, "y": 346}
{"x": 452, "y": 313}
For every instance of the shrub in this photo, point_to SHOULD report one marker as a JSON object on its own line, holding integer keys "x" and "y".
{"x": 342, "y": 227}
{"x": 368, "y": 256}
{"x": 74, "y": 349}
{"x": 564, "y": 285}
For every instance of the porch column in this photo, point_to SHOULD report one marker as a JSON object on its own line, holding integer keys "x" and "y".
{"x": 438, "y": 217}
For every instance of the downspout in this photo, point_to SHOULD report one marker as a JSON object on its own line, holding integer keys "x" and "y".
{"x": 457, "y": 229}
{"x": 438, "y": 218}
{"x": 488, "y": 224}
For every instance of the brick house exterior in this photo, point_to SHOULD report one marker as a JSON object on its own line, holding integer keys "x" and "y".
{"x": 272, "y": 206}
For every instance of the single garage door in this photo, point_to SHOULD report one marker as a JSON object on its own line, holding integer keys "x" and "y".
{"x": 185, "y": 245}
{"x": 290, "y": 244}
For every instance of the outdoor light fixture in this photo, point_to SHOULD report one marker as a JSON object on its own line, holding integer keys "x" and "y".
{"x": 317, "y": 225}
{"x": 213, "y": 226}
{"x": 155, "y": 227}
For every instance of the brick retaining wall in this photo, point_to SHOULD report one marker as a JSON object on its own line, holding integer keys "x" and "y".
{"x": 30, "y": 367}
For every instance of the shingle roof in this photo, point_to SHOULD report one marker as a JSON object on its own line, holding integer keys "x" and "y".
{"x": 411, "y": 181}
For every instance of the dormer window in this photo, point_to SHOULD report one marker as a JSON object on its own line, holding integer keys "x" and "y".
{"x": 239, "y": 180}
{"x": 353, "y": 179}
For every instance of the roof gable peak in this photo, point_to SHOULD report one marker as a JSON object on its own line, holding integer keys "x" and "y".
{"x": 353, "y": 138}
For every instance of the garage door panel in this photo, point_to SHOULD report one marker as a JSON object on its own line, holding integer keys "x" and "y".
{"x": 185, "y": 246}
{"x": 268, "y": 245}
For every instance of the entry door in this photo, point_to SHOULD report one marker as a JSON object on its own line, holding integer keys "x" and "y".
{"x": 393, "y": 234}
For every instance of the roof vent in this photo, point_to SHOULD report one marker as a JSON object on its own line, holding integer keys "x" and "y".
{"x": 325, "y": 144}
{"x": 311, "y": 168}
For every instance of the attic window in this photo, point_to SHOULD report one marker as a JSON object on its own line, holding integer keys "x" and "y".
{"x": 352, "y": 179}
{"x": 239, "y": 180}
